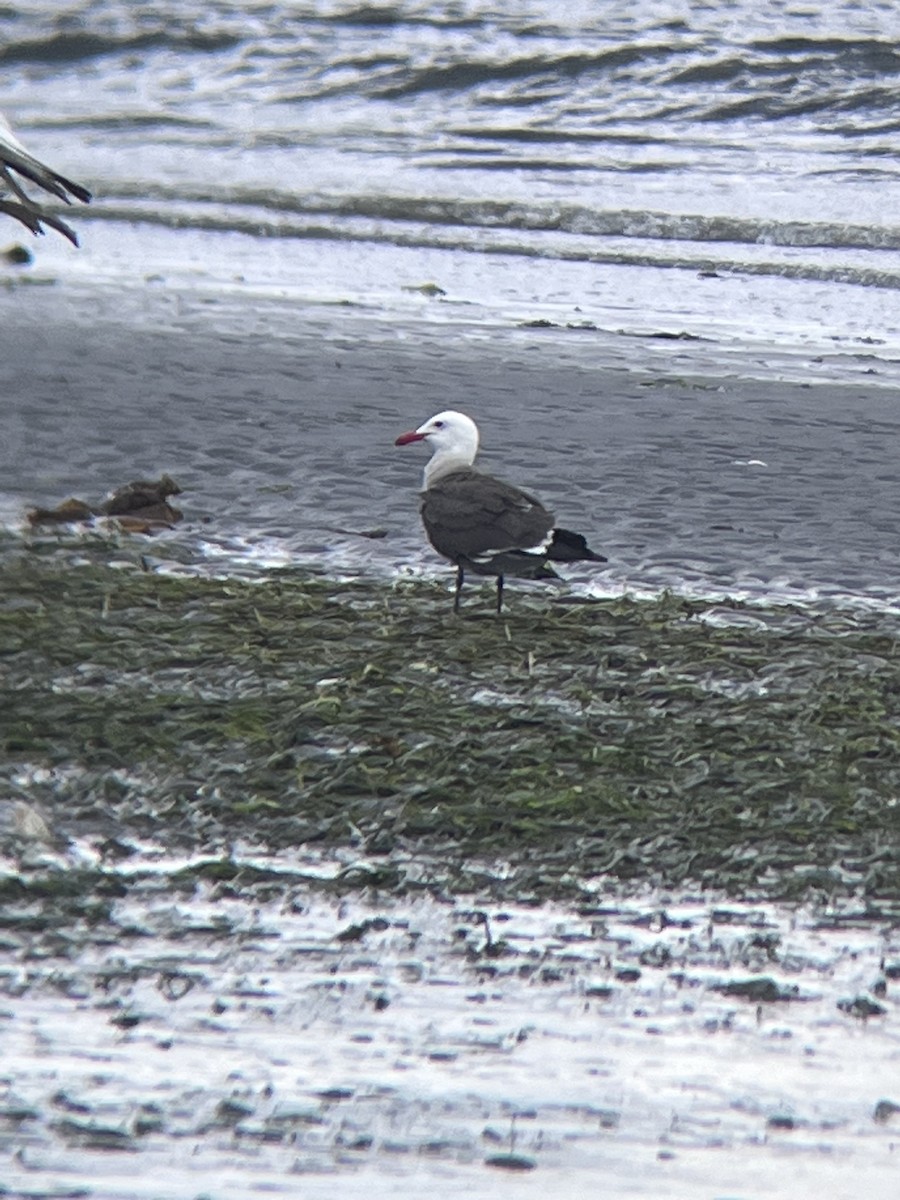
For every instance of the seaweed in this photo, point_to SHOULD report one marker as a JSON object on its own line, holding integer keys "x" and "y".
{"x": 671, "y": 741}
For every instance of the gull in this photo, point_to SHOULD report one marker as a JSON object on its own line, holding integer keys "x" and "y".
{"x": 481, "y": 524}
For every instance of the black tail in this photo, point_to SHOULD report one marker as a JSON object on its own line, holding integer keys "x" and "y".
{"x": 571, "y": 547}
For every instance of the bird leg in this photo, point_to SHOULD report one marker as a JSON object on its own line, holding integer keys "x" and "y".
{"x": 499, "y": 593}
{"x": 460, "y": 578}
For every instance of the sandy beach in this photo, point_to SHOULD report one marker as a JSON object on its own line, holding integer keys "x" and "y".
{"x": 278, "y": 422}
{"x": 334, "y": 877}
{"x": 310, "y": 887}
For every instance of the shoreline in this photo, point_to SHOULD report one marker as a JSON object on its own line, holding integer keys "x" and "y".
{"x": 584, "y": 859}
{"x": 280, "y": 429}
{"x": 344, "y": 887}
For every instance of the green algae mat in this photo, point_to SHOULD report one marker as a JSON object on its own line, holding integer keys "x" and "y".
{"x": 749, "y": 749}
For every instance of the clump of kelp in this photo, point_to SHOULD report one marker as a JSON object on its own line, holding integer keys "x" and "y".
{"x": 672, "y": 741}
{"x": 141, "y": 506}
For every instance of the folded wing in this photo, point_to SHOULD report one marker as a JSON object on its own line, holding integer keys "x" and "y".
{"x": 468, "y": 515}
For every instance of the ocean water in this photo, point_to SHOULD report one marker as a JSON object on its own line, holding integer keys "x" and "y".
{"x": 688, "y": 201}
{"x": 739, "y": 136}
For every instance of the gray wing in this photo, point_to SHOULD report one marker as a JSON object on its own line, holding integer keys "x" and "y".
{"x": 467, "y": 514}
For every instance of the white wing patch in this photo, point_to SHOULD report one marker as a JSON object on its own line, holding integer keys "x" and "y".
{"x": 538, "y": 550}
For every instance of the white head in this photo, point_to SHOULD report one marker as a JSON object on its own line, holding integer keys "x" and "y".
{"x": 453, "y": 438}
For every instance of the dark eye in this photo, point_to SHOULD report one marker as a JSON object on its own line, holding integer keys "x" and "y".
{"x": 439, "y": 424}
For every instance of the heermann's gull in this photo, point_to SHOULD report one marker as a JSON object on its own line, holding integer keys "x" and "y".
{"x": 14, "y": 157}
{"x": 481, "y": 524}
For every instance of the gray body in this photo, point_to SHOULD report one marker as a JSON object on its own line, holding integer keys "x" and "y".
{"x": 468, "y": 515}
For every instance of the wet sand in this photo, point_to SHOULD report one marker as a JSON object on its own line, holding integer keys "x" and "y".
{"x": 284, "y": 1021}
{"x": 279, "y": 424}
{"x": 288, "y": 1041}
{"x": 480, "y": 960}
